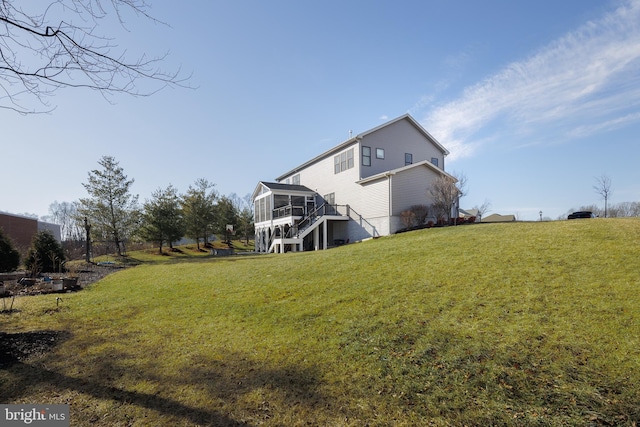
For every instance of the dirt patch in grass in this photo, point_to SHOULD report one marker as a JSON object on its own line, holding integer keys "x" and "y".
{"x": 20, "y": 346}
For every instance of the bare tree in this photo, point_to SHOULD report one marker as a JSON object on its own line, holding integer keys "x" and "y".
{"x": 446, "y": 191}
{"x": 483, "y": 209}
{"x": 66, "y": 215}
{"x": 45, "y": 46}
{"x": 603, "y": 189}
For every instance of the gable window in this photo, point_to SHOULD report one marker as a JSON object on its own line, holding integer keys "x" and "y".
{"x": 366, "y": 156}
{"x": 343, "y": 161}
{"x": 379, "y": 153}
{"x": 434, "y": 160}
{"x": 295, "y": 179}
{"x": 408, "y": 159}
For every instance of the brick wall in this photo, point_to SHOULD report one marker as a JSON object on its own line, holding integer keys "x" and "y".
{"x": 19, "y": 229}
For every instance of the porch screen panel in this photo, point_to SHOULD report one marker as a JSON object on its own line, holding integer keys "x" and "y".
{"x": 261, "y": 210}
{"x": 268, "y": 212}
{"x": 280, "y": 201}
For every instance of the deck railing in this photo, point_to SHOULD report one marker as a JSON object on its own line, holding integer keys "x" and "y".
{"x": 288, "y": 210}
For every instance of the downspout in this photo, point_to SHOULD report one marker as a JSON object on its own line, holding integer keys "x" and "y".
{"x": 389, "y": 176}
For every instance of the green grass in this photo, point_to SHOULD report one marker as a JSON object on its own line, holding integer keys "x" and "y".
{"x": 500, "y": 324}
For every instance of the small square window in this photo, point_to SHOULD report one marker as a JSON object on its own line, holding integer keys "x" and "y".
{"x": 379, "y": 153}
{"x": 434, "y": 160}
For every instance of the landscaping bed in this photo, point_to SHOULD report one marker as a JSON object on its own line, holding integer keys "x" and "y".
{"x": 16, "y": 347}
{"x": 19, "y": 284}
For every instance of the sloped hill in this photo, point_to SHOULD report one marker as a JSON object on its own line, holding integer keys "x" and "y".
{"x": 496, "y": 324}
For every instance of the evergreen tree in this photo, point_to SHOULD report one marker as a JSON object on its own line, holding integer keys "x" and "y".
{"x": 225, "y": 215}
{"x": 9, "y": 255}
{"x": 245, "y": 223}
{"x": 162, "y": 220}
{"x": 46, "y": 253}
{"x": 111, "y": 208}
{"x": 198, "y": 207}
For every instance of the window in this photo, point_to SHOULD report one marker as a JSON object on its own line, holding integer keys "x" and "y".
{"x": 434, "y": 160}
{"x": 379, "y": 153}
{"x": 343, "y": 161}
{"x": 330, "y": 198}
{"x": 295, "y": 179}
{"x": 366, "y": 156}
{"x": 408, "y": 159}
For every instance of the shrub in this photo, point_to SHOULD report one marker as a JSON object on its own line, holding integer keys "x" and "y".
{"x": 421, "y": 212}
{"x": 408, "y": 218}
{"x": 9, "y": 256}
{"x": 45, "y": 254}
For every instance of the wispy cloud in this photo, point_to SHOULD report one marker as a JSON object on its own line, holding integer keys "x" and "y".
{"x": 585, "y": 82}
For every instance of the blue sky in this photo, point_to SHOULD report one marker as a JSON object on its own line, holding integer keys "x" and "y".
{"x": 534, "y": 100}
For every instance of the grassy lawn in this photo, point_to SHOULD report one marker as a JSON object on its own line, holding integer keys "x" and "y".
{"x": 524, "y": 324}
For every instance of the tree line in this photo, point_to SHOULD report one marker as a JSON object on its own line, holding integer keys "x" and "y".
{"x": 112, "y": 214}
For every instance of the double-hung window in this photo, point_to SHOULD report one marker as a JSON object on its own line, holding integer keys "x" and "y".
{"x": 366, "y": 156}
{"x": 343, "y": 161}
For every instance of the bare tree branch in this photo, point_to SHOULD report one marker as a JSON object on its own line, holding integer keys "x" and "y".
{"x": 41, "y": 53}
{"x": 603, "y": 189}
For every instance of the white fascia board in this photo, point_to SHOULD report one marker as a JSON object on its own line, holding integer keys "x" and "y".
{"x": 358, "y": 137}
{"x": 425, "y": 163}
{"x": 327, "y": 153}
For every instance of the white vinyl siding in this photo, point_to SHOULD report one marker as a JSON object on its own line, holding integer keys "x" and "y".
{"x": 343, "y": 161}
{"x": 375, "y": 204}
{"x": 411, "y": 187}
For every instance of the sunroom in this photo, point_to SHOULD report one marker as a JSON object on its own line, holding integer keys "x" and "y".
{"x": 294, "y": 218}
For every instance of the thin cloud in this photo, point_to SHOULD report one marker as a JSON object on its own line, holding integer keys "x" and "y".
{"x": 591, "y": 75}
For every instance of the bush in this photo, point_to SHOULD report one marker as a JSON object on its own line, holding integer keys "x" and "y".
{"x": 9, "y": 256}
{"x": 408, "y": 218}
{"x": 45, "y": 254}
{"x": 421, "y": 213}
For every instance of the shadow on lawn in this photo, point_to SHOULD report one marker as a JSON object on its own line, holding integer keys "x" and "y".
{"x": 156, "y": 403}
{"x": 227, "y": 380}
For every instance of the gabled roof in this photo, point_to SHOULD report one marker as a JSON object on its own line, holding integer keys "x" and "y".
{"x": 425, "y": 163}
{"x": 414, "y": 123}
{"x": 281, "y": 187}
{"x": 468, "y": 212}
{"x": 499, "y": 218}
{"x": 358, "y": 137}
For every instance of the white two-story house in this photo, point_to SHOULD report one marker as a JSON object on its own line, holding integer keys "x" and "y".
{"x": 351, "y": 192}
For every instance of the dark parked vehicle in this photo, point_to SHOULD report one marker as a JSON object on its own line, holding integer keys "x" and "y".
{"x": 581, "y": 214}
